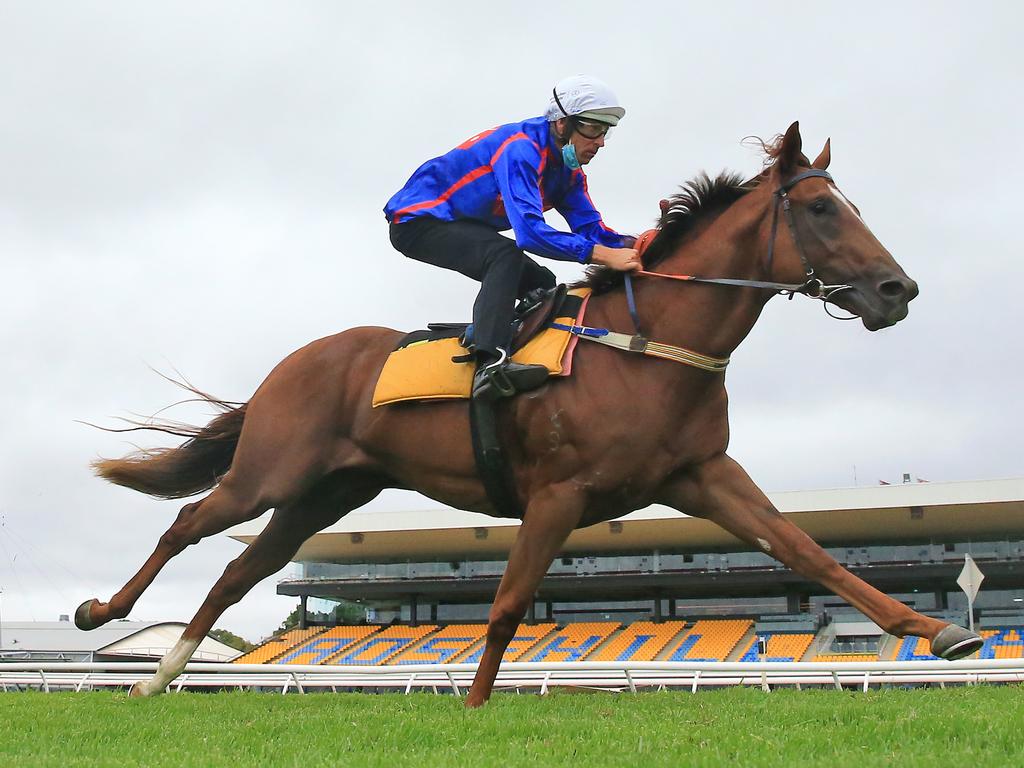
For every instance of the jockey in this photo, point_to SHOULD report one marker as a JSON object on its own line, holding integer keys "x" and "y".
{"x": 449, "y": 214}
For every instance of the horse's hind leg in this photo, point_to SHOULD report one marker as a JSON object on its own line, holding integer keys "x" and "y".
{"x": 721, "y": 491}
{"x": 271, "y": 551}
{"x": 226, "y": 506}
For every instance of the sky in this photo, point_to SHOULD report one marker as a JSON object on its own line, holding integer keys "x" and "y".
{"x": 197, "y": 188}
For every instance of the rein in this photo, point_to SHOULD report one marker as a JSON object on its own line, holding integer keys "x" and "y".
{"x": 813, "y": 287}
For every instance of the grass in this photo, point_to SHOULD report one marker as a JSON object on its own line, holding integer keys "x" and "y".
{"x": 726, "y": 729}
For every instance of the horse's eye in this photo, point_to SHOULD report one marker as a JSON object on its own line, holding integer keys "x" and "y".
{"x": 818, "y": 207}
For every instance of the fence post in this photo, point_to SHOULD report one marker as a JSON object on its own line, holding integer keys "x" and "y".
{"x": 629, "y": 679}
{"x": 455, "y": 686}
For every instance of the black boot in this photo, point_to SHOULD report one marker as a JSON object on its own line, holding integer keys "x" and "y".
{"x": 497, "y": 377}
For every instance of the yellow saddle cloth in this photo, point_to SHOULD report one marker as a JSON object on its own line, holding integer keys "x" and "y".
{"x": 424, "y": 370}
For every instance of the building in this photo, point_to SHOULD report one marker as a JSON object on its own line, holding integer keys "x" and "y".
{"x": 116, "y": 641}
{"x": 909, "y": 540}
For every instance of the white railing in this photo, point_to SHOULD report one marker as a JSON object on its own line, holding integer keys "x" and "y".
{"x": 541, "y": 676}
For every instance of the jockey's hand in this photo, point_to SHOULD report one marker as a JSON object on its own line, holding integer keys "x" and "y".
{"x": 620, "y": 259}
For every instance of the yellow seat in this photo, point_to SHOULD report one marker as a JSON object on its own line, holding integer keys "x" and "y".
{"x": 711, "y": 639}
{"x": 574, "y": 642}
{"x": 443, "y": 646}
{"x": 321, "y": 647}
{"x": 642, "y": 640}
{"x": 277, "y": 646}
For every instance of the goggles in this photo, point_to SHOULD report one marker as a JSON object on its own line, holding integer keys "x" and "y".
{"x": 591, "y": 130}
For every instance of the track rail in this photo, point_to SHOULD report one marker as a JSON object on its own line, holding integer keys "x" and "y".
{"x": 518, "y": 676}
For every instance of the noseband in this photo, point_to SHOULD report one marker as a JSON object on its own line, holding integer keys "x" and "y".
{"x": 813, "y": 287}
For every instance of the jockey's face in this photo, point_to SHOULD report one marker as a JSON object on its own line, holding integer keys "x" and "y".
{"x": 586, "y": 148}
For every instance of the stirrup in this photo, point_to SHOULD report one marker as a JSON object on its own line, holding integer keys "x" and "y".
{"x": 494, "y": 375}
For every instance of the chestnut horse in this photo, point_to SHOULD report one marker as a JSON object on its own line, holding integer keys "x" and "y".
{"x": 623, "y": 432}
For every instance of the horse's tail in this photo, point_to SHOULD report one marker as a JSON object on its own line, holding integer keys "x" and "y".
{"x": 195, "y": 466}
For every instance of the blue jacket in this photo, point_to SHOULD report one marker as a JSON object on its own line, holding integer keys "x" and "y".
{"x": 507, "y": 177}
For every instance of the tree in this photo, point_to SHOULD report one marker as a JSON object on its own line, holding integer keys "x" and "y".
{"x": 346, "y": 612}
{"x": 290, "y": 622}
{"x": 232, "y": 640}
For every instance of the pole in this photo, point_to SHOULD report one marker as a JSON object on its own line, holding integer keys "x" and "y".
{"x": 762, "y": 654}
{"x": 969, "y": 581}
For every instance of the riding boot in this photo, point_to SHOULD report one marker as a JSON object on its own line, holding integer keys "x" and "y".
{"x": 497, "y": 377}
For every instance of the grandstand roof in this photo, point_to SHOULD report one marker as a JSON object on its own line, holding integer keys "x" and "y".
{"x": 140, "y": 639}
{"x": 844, "y": 516}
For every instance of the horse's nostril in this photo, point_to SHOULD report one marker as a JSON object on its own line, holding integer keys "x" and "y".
{"x": 894, "y": 290}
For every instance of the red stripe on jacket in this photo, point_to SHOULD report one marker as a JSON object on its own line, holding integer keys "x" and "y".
{"x": 470, "y": 177}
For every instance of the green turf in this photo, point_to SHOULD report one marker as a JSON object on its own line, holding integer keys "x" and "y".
{"x": 726, "y": 728}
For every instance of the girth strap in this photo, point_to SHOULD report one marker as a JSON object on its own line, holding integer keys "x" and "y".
{"x": 638, "y": 343}
{"x": 491, "y": 463}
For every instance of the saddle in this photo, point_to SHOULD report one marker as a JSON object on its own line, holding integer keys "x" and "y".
{"x": 432, "y": 364}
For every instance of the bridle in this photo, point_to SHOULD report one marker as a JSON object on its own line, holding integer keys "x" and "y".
{"x": 813, "y": 287}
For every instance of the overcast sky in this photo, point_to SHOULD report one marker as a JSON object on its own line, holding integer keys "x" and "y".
{"x": 198, "y": 186}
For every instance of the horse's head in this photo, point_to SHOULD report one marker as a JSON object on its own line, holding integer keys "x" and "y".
{"x": 823, "y": 235}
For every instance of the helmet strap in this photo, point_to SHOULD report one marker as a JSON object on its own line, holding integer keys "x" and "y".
{"x": 570, "y": 120}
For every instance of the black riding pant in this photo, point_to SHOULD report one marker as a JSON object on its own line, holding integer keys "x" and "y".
{"x": 478, "y": 252}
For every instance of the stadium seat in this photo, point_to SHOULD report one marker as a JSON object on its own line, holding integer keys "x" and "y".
{"x": 1006, "y": 643}
{"x": 915, "y": 649}
{"x": 781, "y": 647}
{"x": 277, "y": 646}
{"x": 381, "y": 647}
{"x": 710, "y": 640}
{"x": 830, "y": 657}
{"x": 443, "y": 646}
{"x": 527, "y": 637}
{"x": 325, "y": 645}
{"x": 640, "y": 641}
{"x": 574, "y": 642}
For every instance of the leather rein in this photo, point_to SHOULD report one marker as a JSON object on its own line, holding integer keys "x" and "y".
{"x": 813, "y": 287}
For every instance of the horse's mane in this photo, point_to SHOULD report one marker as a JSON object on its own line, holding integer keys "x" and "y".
{"x": 697, "y": 200}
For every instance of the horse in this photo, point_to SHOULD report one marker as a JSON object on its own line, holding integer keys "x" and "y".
{"x": 621, "y": 433}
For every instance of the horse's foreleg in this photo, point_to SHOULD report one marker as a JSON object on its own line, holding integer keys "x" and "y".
{"x": 219, "y": 511}
{"x": 550, "y": 518}
{"x": 721, "y": 491}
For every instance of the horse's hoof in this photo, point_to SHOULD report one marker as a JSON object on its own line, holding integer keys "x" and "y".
{"x": 83, "y": 617}
{"x": 137, "y": 691}
{"x": 955, "y": 642}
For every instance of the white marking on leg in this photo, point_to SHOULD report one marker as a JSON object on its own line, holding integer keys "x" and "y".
{"x": 764, "y": 545}
{"x": 842, "y": 198}
{"x": 169, "y": 668}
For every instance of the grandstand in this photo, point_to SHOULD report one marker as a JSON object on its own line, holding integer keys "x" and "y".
{"x": 657, "y": 585}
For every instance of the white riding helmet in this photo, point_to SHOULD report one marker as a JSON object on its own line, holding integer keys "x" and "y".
{"x": 584, "y": 96}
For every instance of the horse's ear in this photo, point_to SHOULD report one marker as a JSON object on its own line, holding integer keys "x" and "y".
{"x": 821, "y": 161}
{"x": 789, "y": 153}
